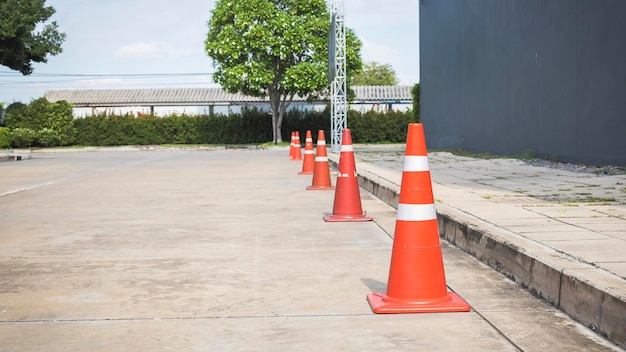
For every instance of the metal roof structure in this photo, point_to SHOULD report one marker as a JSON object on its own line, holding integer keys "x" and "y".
{"x": 204, "y": 96}
{"x": 382, "y": 94}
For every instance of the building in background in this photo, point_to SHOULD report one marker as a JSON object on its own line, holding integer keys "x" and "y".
{"x": 166, "y": 101}
{"x": 508, "y": 77}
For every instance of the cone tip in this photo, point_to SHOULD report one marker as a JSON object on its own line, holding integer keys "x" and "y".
{"x": 415, "y": 140}
{"x": 346, "y": 139}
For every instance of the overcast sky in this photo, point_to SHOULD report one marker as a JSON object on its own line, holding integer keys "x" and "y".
{"x": 119, "y": 39}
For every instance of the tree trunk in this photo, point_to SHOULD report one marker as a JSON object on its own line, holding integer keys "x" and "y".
{"x": 276, "y": 121}
{"x": 276, "y": 124}
{"x": 283, "y": 105}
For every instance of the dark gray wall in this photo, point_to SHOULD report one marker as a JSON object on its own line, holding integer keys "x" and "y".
{"x": 510, "y": 76}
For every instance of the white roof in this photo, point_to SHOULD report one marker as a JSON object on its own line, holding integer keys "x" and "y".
{"x": 203, "y": 96}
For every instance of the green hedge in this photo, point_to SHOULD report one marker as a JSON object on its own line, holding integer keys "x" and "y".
{"x": 44, "y": 124}
{"x": 373, "y": 127}
{"x": 249, "y": 127}
{"x": 5, "y": 138}
{"x": 40, "y": 124}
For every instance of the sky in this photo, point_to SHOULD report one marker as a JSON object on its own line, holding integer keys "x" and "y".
{"x": 160, "y": 44}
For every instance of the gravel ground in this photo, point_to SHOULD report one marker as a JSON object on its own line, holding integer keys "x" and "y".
{"x": 607, "y": 170}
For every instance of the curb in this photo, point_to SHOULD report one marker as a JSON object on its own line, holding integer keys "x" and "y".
{"x": 588, "y": 294}
{"x": 14, "y": 156}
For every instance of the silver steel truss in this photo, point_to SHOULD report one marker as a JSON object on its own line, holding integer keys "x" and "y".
{"x": 338, "y": 93}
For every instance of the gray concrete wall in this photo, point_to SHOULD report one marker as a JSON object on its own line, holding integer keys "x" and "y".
{"x": 510, "y": 76}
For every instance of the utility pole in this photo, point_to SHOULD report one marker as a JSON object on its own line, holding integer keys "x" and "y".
{"x": 337, "y": 74}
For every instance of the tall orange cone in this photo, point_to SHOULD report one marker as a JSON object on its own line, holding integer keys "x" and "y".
{"x": 417, "y": 283}
{"x": 297, "y": 148}
{"x": 309, "y": 156}
{"x": 321, "y": 170}
{"x": 291, "y": 146}
{"x": 347, "y": 206}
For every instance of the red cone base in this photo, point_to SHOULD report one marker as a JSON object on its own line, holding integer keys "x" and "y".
{"x": 347, "y": 218}
{"x": 382, "y": 304}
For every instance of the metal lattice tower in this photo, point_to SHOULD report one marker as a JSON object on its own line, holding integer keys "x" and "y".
{"x": 338, "y": 94}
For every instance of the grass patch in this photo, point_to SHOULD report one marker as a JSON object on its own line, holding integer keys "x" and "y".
{"x": 597, "y": 200}
{"x": 466, "y": 153}
{"x": 271, "y": 144}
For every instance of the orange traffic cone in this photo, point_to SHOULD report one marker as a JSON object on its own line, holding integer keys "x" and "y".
{"x": 291, "y": 146}
{"x": 297, "y": 148}
{"x": 417, "y": 283}
{"x": 321, "y": 170}
{"x": 309, "y": 156}
{"x": 347, "y": 205}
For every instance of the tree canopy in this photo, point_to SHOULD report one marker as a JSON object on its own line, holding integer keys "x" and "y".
{"x": 375, "y": 74}
{"x": 26, "y": 36}
{"x": 274, "y": 48}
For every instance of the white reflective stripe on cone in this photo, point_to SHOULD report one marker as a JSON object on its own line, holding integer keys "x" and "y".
{"x": 416, "y": 212}
{"x": 321, "y": 142}
{"x": 347, "y": 148}
{"x": 415, "y": 163}
{"x": 308, "y": 152}
{"x": 321, "y": 158}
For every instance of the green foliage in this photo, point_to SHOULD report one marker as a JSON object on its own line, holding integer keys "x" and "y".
{"x": 2, "y": 111}
{"x": 23, "y": 137}
{"x": 415, "y": 92}
{"x": 51, "y": 124}
{"x": 26, "y": 137}
{"x": 373, "y": 127}
{"x": 250, "y": 127}
{"x": 375, "y": 74}
{"x": 274, "y": 48}
{"x": 25, "y": 35}
{"x": 5, "y": 138}
{"x": 302, "y": 121}
{"x": 14, "y": 114}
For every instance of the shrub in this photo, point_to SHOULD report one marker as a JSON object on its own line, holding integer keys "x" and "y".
{"x": 47, "y": 138}
{"x": 251, "y": 126}
{"x": 415, "y": 92}
{"x": 5, "y": 138}
{"x": 52, "y": 123}
{"x": 23, "y": 137}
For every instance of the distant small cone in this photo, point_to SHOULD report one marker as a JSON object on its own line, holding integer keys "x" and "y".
{"x": 297, "y": 148}
{"x": 308, "y": 164}
{"x": 417, "y": 282}
{"x": 321, "y": 170}
{"x": 291, "y": 146}
{"x": 347, "y": 206}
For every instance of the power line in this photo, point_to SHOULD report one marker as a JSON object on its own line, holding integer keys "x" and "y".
{"x": 49, "y": 74}
{"x": 75, "y": 77}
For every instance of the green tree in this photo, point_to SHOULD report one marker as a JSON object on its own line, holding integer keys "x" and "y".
{"x": 415, "y": 92}
{"x": 274, "y": 48}
{"x": 375, "y": 74}
{"x": 2, "y": 112}
{"x": 25, "y": 35}
{"x": 44, "y": 120}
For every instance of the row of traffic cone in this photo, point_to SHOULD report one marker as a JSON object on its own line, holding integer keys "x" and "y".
{"x": 347, "y": 205}
{"x": 416, "y": 282}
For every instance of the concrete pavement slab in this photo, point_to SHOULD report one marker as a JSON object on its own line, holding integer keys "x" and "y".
{"x": 476, "y": 200}
{"x": 226, "y": 250}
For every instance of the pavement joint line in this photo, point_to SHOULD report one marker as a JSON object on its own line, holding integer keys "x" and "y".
{"x": 495, "y": 327}
{"x": 207, "y": 317}
{"x": 575, "y": 294}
